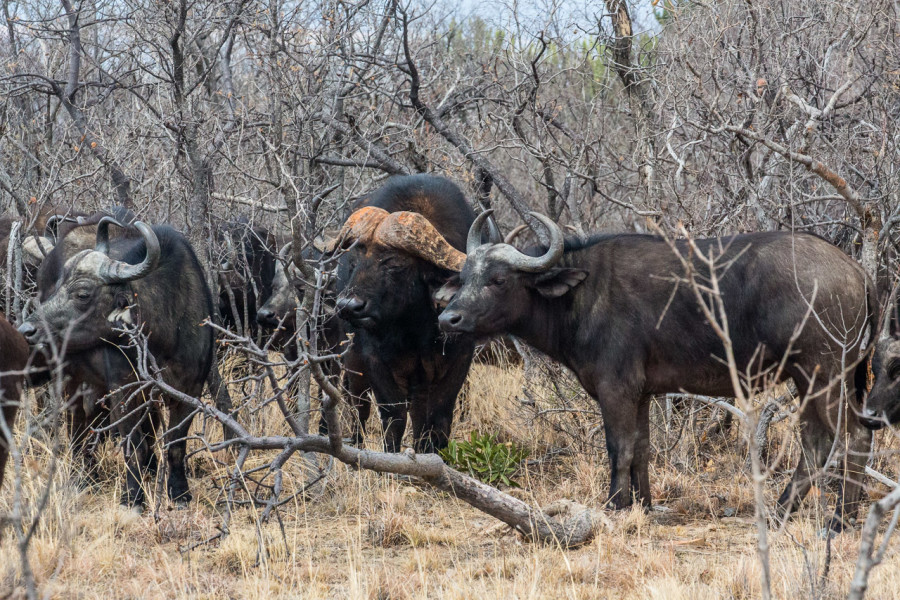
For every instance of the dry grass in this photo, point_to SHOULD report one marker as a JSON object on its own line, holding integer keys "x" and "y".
{"x": 362, "y": 535}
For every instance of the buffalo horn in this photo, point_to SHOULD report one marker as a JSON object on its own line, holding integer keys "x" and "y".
{"x": 474, "y": 238}
{"x": 413, "y": 233}
{"x": 284, "y": 253}
{"x": 534, "y": 264}
{"x": 116, "y": 271}
{"x": 51, "y": 230}
{"x": 512, "y": 235}
{"x": 361, "y": 225}
{"x": 494, "y": 236}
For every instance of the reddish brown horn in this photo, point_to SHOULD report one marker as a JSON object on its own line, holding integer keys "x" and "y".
{"x": 413, "y": 233}
{"x": 361, "y": 225}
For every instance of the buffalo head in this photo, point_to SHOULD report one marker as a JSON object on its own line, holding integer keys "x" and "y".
{"x": 283, "y": 301}
{"x": 495, "y": 288}
{"x": 883, "y": 401}
{"x": 89, "y": 297}
{"x": 394, "y": 264}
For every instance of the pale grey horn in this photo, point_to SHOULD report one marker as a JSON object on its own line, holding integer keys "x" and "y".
{"x": 474, "y": 239}
{"x": 284, "y": 255}
{"x": 116, "y": 271}
{"x": 534, "y": 264}
{"x": 512, "y": 235}
{"x": 51, "y": 230}
{"x": 494, "y": 236}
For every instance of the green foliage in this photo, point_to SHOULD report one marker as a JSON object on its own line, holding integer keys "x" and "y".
{"x": 484, "y": 458}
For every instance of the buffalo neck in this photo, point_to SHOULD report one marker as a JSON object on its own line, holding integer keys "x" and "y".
{"x": 407, "y": 331}
{"x": 556, "y": 326}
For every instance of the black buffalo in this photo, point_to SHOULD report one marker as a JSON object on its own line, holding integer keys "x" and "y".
{"x": 70, "y": 234}
{"x": 405, "y": 242}
{"x": 882, "y": 405}
{"x": 278, "y": 316}
{"x": 153, "y": 282}
{"x": 612, "y": 309}
{"x": 246, "y": 273}
{"x": 13, "y": 357}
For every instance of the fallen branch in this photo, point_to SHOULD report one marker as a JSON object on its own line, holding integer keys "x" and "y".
{"x": 534, "y": 524}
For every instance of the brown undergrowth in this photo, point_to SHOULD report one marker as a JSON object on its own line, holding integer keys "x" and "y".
{"x": 362, "y": 535}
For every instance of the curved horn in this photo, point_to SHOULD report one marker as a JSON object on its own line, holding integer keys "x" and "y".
{"x": 361, "y": 225}
{"x": 474, "y": 238}
{"x": 494, "y": 236}
{"x": 534, "y": 264}
{"x": 116, "y": 271}
{"x": 51, "y": 229}
{"x": 283, "y": 254}
{"x": 413, "y": 233}
{"x": 102, "y": 244}
{"x": 512, "y": 235}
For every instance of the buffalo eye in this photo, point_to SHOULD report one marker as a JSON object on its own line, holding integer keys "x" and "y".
{"x": 497, "y": 280}
{"x": 83, "y": 294}
{"x": 894, "y": 370}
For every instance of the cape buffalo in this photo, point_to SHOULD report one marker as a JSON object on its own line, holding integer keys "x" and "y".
{"x": 616, "y": 310}
{"x": 882, "y": 405}
{"x": 246, "y": 273}
{"x": 69, "y": 235}
{"x": 404, "y": 242}
{"x": 13, "y": 357}
{"x": 279, "y": 316}
{"x": 155, "y": 283}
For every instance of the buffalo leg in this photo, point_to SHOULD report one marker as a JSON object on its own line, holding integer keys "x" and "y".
{"x": 393, "y": 423}
{"x": 137, "y": 432}
{"x": 85, "y": 413}
{"x": 640, "y": 466}
{"x": 857, "y": 450}
{"x": 180, "y": 417}
{"x": 620, "y": 420}
{"x": 393, "y": 407}
{"x": 358, "y": 394}
{"x": 815, "y": 443}
{"x": 10, "y": 407}
{"x": 431, "y": 413}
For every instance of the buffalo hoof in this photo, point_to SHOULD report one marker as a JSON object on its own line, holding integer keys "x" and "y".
{"x": 836, "y": 526}
{"x": 88, "y": 480}
{"x": 135, "y": 500}
{"x": 132, "y": 509}
{"x": 152, "y": 467}
{"x": 180, "y": 495}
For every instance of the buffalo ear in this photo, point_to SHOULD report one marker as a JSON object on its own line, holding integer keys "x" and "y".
{"x": 444, "y": 294}
{"x": 557, "y": 282}
{"x": 122, "y": 313}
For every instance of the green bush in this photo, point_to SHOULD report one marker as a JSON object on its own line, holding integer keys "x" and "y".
{"x": 484, "y": 458}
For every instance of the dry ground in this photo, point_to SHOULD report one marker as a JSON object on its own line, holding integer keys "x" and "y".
{"x": 362, "y": 535}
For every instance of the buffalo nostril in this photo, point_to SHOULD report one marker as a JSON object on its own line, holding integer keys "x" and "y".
{"x": 449, "y": 320}
{"x": 27, "y": 329}
{"x": 351, "y": 306}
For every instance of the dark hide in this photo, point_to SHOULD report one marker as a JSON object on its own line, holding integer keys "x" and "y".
{"x": 13, "y": 357}
{"x": 610, "y": 311}
{"x": 386, "y": 300}
{"x": 71, "y": 235}
{"x": 278, "y": 316}
{"x": 169, "y": 303}
{"x": 246, "y": 271}
{"x": 883, "y": 401}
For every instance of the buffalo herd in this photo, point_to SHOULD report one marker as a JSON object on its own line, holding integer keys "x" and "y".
{"x": 418, "y": 281}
